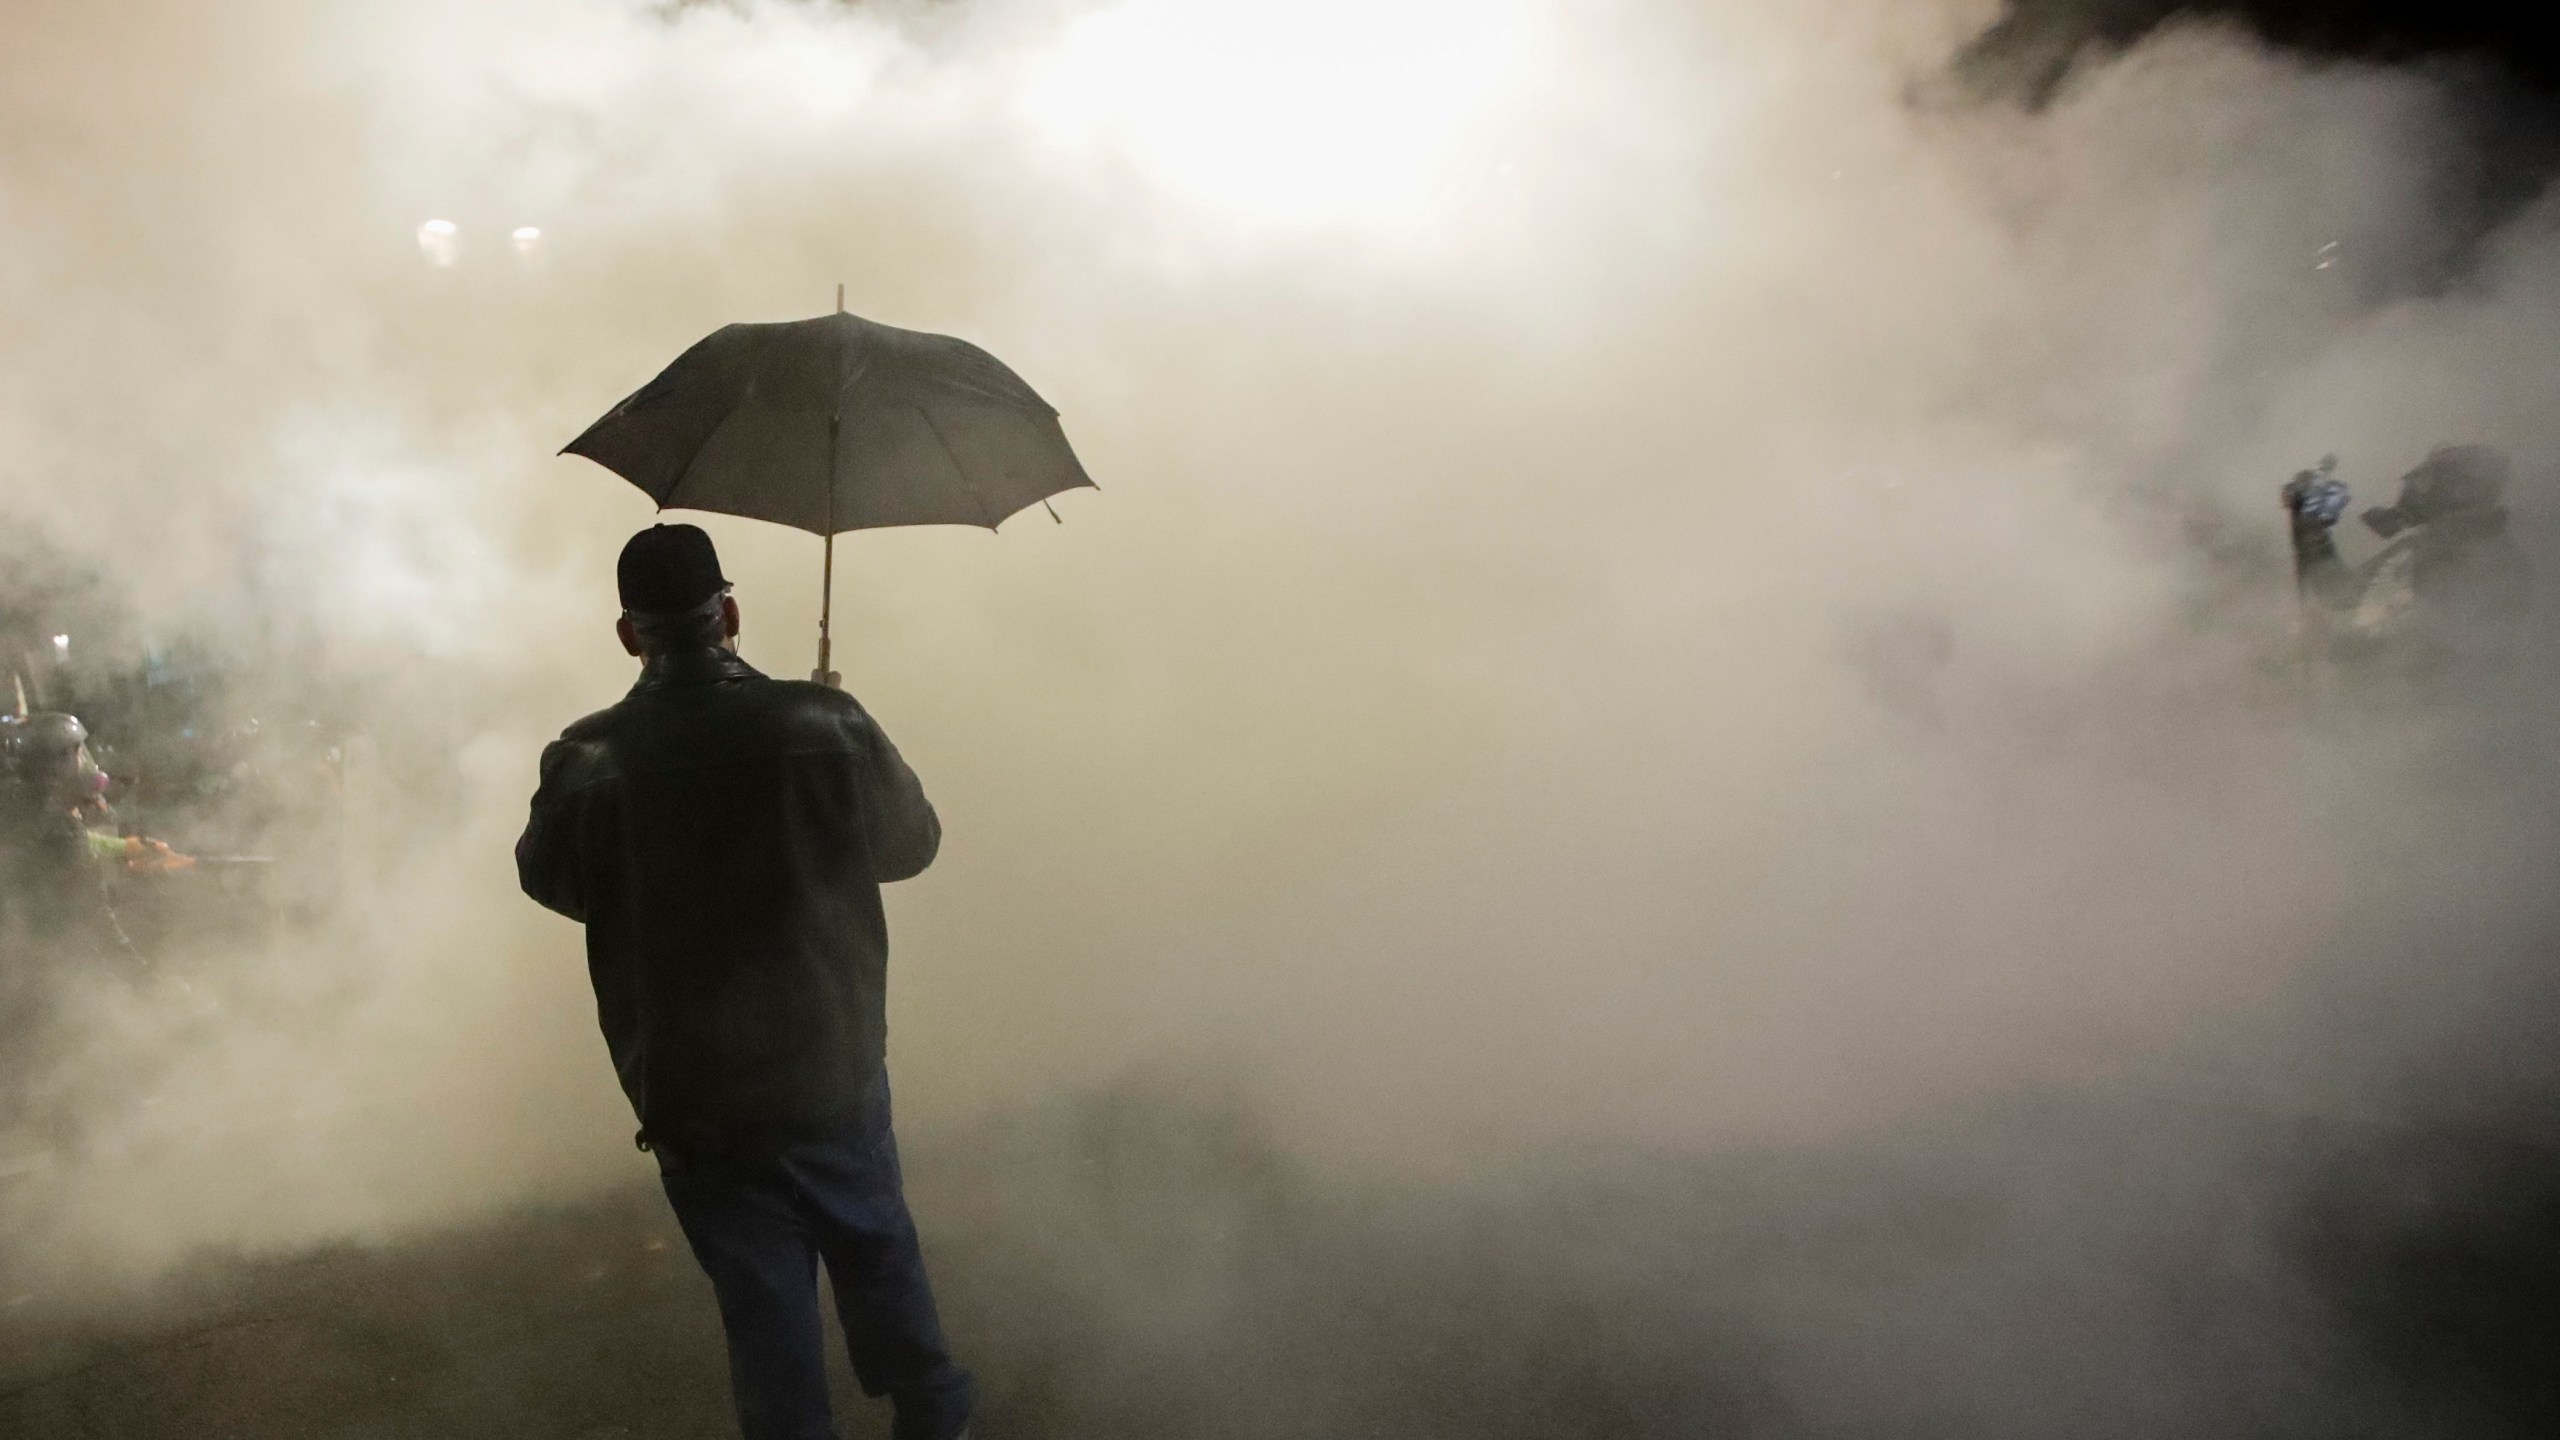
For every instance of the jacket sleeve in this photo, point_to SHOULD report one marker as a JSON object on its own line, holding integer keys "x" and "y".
{"x": 898, "y": 822}
{"x": 547, "y": 853}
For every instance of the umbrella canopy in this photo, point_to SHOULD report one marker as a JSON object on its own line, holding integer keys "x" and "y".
{"x": 836, "y": 424}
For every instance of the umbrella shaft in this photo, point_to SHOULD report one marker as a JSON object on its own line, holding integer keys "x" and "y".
{"x": 826, "y": 608}
{"x": 827, "y": 586}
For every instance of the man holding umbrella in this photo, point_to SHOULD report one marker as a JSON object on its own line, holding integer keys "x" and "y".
{"x": 724, "y": 836}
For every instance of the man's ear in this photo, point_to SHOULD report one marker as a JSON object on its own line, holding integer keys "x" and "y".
{"x": 628, "y": 634}
{"x": 729, "y": 616}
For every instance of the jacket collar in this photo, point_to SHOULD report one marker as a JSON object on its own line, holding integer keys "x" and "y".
{"x": 703, "y": 665}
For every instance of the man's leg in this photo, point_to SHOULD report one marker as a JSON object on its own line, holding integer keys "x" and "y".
{"x": 753, "y": 1242}
{"x": 868, "y": 1239}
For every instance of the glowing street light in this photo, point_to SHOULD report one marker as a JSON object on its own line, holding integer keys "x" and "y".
{"x": 441, "y": 242}
{"x": 526, "y": 239}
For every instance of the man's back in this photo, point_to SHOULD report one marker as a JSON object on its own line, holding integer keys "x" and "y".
{"x": 724, "y": 837}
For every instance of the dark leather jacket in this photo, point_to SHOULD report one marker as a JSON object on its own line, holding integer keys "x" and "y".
{"x": 724, "y": 837}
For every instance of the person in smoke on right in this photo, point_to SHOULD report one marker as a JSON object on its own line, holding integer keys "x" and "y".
{"x": 2446, "y": 599}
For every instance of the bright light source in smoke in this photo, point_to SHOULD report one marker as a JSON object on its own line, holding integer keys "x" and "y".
{"x": 526, "y": 238}
{"x": 440, "y": 241}
{"x": 1307, "y": 113}
{"x": 61, "y": 647}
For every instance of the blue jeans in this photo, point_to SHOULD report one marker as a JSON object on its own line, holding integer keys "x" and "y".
{"x": 761, "y": 1219}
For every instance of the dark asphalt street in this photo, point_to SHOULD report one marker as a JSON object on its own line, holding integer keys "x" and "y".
{"x": 1144, "y": 1266}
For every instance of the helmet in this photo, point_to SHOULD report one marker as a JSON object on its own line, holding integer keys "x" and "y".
{"x": 50, "y": 735}
{"x": 45, "y": 751}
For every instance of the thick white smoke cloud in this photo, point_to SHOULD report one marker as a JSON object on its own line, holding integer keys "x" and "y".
{"x": 1546, "y": 451}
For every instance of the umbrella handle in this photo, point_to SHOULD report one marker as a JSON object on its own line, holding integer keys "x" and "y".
{"x": 826, "y": 615}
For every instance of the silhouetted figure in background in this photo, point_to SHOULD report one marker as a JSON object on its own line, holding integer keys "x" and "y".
{"x": 724, "y": 836}
{"x": 60, "y": 844}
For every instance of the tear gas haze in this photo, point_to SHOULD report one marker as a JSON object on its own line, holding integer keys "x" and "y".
{"x": 1669, "y": 580}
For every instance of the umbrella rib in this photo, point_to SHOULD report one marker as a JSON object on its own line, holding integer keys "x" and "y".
{"x": 728, "y": 417}
{"x": 684, "y": 472}
{"x": 956, "y": 467}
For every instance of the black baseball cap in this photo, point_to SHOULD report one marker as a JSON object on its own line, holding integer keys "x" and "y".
{"x": 668, "y": 569}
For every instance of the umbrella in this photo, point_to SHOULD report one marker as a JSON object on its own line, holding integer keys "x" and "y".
{"x": 834, "y": 424}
